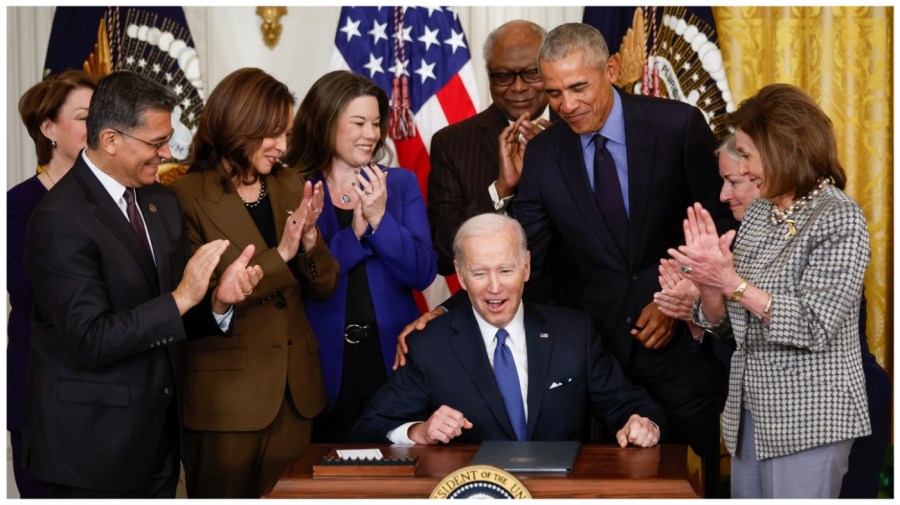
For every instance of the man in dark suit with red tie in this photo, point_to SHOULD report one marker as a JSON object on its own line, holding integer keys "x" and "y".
{"x": 108, "y": 257}
{"x": 617, "y": 199}
{"x": 495, "y": 368}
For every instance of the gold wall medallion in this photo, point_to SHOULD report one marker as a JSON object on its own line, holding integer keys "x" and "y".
{"x": 271, "y": 26}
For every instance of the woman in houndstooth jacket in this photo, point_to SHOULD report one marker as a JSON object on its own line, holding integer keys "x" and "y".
{"x": 789, "y": 296}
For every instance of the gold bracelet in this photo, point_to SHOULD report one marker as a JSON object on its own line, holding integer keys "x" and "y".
{"x": 769, "y": 304}
{"x": 768, "y": 307}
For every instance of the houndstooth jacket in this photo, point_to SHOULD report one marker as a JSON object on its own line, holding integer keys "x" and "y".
{"x": 801, "y": 375}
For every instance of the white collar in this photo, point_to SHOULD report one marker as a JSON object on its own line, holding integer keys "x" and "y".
{"x": 515, "y": 328}
{"x": 115, "y": 188}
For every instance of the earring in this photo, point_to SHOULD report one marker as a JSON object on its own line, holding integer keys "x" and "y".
{"x": 53, "y": 143}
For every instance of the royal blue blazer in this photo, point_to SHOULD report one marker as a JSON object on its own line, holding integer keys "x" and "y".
{"x": 399, "y": 258}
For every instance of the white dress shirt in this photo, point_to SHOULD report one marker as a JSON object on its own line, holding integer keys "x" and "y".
{"x": 516, "y": 343}
{"x": 116, "y": 191}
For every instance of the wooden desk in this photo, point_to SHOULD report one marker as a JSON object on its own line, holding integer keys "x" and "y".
{"x": 601, "y": 471}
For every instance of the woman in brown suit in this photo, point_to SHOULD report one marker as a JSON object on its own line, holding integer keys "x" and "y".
{"x": 249, "y": 398}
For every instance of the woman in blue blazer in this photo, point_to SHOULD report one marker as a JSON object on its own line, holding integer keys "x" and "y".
{"x": 376, "y": 226}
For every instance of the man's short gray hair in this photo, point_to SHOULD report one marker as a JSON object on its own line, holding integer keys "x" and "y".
{"x": 489, "y": 224}
{"x": 492, "y": 37}
{"x": 570, "y": 38}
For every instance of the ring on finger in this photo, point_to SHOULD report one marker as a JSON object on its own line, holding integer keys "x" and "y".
{"x": 686, "y": 269}
{"x": 248, "y": 293}
{"x": 368, "y": 191}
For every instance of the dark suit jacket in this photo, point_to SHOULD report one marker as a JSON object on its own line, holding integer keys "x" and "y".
{"x": 464, "y": 163}
{"x": 107, "y": 339}
{"x": 447, "y": 364}
{"x": 239, "y": 383}
{"x": 670, "y": 166}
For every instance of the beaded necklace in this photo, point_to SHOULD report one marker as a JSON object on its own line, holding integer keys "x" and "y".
{"x": 262, "y": 194}
{"x": 779, "y": 217}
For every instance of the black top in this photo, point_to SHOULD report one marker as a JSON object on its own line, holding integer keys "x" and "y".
{"x": 360, "y": 309}
{"x": 261, "y": 213}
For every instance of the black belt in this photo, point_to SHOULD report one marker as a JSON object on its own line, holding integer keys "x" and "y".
{"x": 356, "y": 333}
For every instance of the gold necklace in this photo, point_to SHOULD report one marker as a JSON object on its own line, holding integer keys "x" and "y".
{"x": 52, "y": 182}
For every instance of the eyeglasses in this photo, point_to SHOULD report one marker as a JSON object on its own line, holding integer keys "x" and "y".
{"x": 503, "y": 79}
{"x": 155, "y": 145}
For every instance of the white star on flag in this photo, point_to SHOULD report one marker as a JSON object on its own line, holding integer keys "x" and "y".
{"x": 429, "y": 38}
{"x": 406, "y": 34}
{"x": 142, "y": 63}
{"x": 129, "y": 60}
{"x": 455, "y": 41}
{"x": 178, "y": 89}
{"x": 351, "y": 29}
{"x": 426, "y": 71}
{"x": 378, "y": 32}
{"x": 374, "y": 65}
{"x": 156, "y": 68}
{"x": 399, "y": 69}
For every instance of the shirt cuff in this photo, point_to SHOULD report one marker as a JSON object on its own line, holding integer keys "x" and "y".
{"x": 499, "y": 203}
{"x": 400, "y": 434}
{"x": 224, "y": 320}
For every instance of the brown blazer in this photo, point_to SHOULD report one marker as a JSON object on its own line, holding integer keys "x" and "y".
{"x": 237, "y": 383}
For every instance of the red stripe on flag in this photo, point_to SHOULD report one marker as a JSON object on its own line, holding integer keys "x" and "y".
{"x": 411, "y": 154}
{"x": 452, "y": 283}
{"x": 420, "y": 302}
{"x": 455, "y": 100}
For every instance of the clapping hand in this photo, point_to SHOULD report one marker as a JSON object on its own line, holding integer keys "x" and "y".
{"x": 372, "y": 193}
{"x": 676, "y": 299}
{"x": 300, "y": 226}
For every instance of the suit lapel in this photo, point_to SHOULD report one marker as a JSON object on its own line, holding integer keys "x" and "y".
{"x": 152, "y": 210}
{"x": 539, "y": 349}
{"x": 108, "y": 212}
{"x": 227, "y": 213}
{"x": 469, "y": 348}
{"x": 640, "y": 141}
{"x": 574, "y": 173}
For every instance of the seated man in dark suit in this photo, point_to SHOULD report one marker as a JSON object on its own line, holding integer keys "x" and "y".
{"x": 495, "y": 369}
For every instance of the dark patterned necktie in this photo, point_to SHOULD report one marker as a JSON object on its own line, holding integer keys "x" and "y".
{"x": 608, "y": 193}
{"x": 137, "y": 222}
{"x": 508, "y": 381}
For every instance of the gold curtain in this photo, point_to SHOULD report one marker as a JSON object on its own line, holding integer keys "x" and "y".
{"x": 843, "y": 57}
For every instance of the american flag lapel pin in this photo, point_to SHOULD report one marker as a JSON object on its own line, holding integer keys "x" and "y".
{"x": 544, "y": 335}
{"x": 152, "y": 207}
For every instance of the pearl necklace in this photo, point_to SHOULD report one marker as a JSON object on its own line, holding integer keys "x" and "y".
{"x": 779, "y": 217}
{"x": 262, "y": 194}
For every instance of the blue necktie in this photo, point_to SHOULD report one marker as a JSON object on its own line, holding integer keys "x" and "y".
{"x": 508, "y": 381}
{"x": 608, "y": 193}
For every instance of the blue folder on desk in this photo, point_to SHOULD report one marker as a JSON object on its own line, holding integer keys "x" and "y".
{"x": 528, "y": 456}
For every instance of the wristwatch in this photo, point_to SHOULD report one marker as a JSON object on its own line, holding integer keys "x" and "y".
{"x": 739, "y": 292}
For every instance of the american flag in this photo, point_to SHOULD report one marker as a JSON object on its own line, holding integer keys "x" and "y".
{"x": 426, "y": 47}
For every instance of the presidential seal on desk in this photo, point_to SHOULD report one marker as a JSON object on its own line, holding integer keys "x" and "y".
{"x": 480, "y": 481}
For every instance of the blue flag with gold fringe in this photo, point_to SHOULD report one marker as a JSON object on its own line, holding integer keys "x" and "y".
{"x": 152, "y": 41}
{"x": 672, "y": 52}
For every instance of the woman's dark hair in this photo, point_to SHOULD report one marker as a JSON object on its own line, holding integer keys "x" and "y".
{"x": 794, "y": 137}
{"x": 312, "y": 145}
{"x": 44, "y": 100}
{"x": 247, "y": 106}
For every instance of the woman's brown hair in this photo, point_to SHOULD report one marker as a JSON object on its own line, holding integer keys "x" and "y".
{"x": 794, "y": 137}
{"x": 312, "y": 145}
{"x": 44, "y": 100}
{"x": 247, "y": 106}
